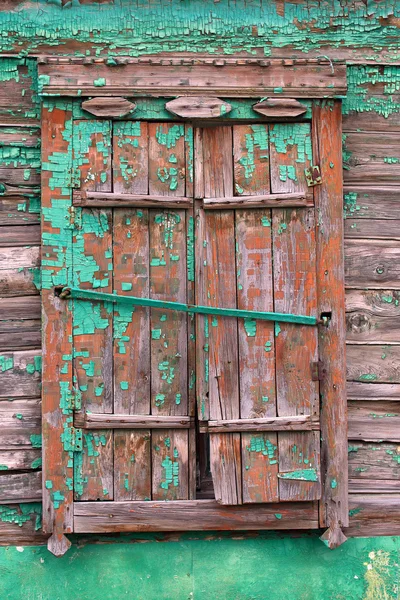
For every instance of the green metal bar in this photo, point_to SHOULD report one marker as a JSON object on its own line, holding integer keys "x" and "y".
{"x": 188, "y": 308}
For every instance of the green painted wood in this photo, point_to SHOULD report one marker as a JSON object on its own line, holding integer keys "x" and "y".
{"x": 76, "y": 293}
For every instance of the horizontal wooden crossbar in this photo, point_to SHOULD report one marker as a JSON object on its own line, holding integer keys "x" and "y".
{"x": 78, "y": 294}
{"x": 267, "y": 200}
{"x": 111, "y": 200}
{"x": 191, "y": 515}
{"x": 297, "y": 423}
{"x": 115, "y": 421}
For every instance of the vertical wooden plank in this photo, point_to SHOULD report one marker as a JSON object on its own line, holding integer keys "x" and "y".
{"x": 191, "y": 321}
{"x": 92, "y": 321}
{"x": 57, "y": 324}
{"x": 254, "y": 292}
{"x": 295, "y": 292}
{"x": 219, "y": 289}
{"x": 327, "y": 148}
{"x": 168, "y": 281}
{"x": 132, "y": 458}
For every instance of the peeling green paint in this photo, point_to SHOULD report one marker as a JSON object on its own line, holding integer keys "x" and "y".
{"x": 300, "y": 475}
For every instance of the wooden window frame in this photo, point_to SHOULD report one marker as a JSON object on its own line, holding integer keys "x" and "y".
{"x": 61, "y": 515}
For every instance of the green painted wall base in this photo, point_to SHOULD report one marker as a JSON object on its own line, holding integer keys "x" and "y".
{"x": 261, "y": 568}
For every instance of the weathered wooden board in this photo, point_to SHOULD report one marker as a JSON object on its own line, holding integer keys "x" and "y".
{"x": 20, "y": 487}
{"x": 372, "y": 202}
{"x": 373, "y": 363}
{"x": 374, "y": 421}
{"x": 226, "y": 78}
{"x": 372, "y": 461}
{"x": 21, "y": 281}
{"x": 371, "y": 158}
{"x": 20, "y": 373}
{"x": 19, "y": 235}
{"x": 21, "y": 424}
{"x": 102, "y": 517}
{"x": 19, "y": 210}
{"x": 24, "y": 460}
{"x": 372, "y": 316}
{"x": 378, "y": 391}
{"x": 373, "y": 264}
{"x": 374, "y": 514}
{"x": 20, "y": 323}
{"x": 18, "y": 101}
{"x": 21, "y": 524}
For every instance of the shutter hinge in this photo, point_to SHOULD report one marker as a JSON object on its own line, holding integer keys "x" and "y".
{"x": 72, "y": 439}
{"x": 313, "y": 176}
{"x": 318, "y": 371}
{"x": 74, "y": 399}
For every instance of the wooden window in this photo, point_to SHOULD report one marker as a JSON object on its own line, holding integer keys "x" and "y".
{"x": 151, "y": 393}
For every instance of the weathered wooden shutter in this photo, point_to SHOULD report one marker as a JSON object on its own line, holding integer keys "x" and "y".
{"x": 133, "y": 360}
{"x": 258, "y": 259}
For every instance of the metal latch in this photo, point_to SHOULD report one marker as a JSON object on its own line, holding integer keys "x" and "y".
{"x": 73, "y": 399}
{"x": 313, "y": 176}
{"x": 318, "y": 371}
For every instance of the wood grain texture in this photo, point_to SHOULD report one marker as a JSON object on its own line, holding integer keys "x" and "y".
{"x": 327, "y": 151}
{"x": 108, "y": 107}
{"x": 372, "y": 316}
{"x": 374, "y": 462}
{"x": 21, "y": 424}
{"x": 373, "y": 264}
{"x": 373, "y": 364}
{"x": 198, "y": 107}
{"x": 192, "y": 515}
{"x": 371, "y": 158}
{"x": 374, "y": 421}
{"x": 280, "y": 107}
{"x": 366, "y": 515}
{"x": 20, "y": 487}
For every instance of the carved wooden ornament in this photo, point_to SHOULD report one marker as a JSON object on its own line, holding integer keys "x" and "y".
{"x": 199, "y": 107}
{"x": 108, "y": 107}
{"x": 280, "y": 107}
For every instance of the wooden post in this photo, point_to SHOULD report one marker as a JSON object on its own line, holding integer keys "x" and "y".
{"x": 327, "y": 152}
{"x": 57, "y": 419}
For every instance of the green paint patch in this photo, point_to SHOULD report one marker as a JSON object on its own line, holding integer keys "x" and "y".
{"x": 250, "y": 326}
{"x": 264, "y": 446}
{"x": 99, "y": 82}
{"x": 22, "y": 513}
{"x": 300, "y": 475}
{"x": 368, "y": 377}
{"x": 36, "y": 440}
{"x": 124, "y": 385}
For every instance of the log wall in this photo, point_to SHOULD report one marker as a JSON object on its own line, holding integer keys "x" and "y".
{"x": 371, "y": 144}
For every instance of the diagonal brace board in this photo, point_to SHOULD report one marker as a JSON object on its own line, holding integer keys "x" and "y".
{"x": 67, "y": 293}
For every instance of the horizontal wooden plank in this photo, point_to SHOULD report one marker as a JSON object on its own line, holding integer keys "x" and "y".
{"x": 21, "y": 308}
{"x": 295, "y": 423}
{"x": 27, "y": 137}
{"x": 22, "y": 176}
{"x": 373, "y": 264}
{"x": 15, "y": 258}
{"x": 372, "y": 316}
{"x": 21, "y": 424}
{"x": 21, "y": 334}
{"x": 220, "y": 77}
{"x": 372, "y": 391}
{"x": 20, "y": 487}
{"x": 373, "y": 363}
{"x": 19, "y": 210}
{"x": 189, "y": 515}
{"x": 25, "y": 459}
{"x": 20, "y": 524}
{"x": 374, "y": 486}
{"x": 267, "y": 200}
{"x": 111, "y": 200}
{"x": 381, "y": 229}
{"x": 115, "y": 421}
{"x": 19, "y": 235}
{"x": 371, "y": 202}
{"x": 20, "y": 373}
{"x": 21, "y": 281}
{"x": 374, "y": 514}
{"x": 372, "y": 461}
{"x": 374, "y": 421}
{"x": 371, "y": 158}
{"x": 374, "y": 120}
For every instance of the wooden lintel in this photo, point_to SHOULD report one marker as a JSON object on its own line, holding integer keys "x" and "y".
{"x": 290, "y": 200}
{"x": 231, "y": 77}
{"x": 115, "y": 421}
{"x": 191, "y": 515}
{"x": 297, "y": 423}
{"x": 110, "y": 200}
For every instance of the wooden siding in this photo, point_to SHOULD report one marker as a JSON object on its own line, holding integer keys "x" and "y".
{"x": 372, "y": 251}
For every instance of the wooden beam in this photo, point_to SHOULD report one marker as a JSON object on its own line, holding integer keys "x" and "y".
{"x": 262, "y": 201}
{"x": 226, "y": 77}
{"x": 191, "y": 515}
{"x": 327, "y": 152}
{"x": 111, "y": 200}
{"x": 297, "y": 423}
{"x": 115, "y": 421}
